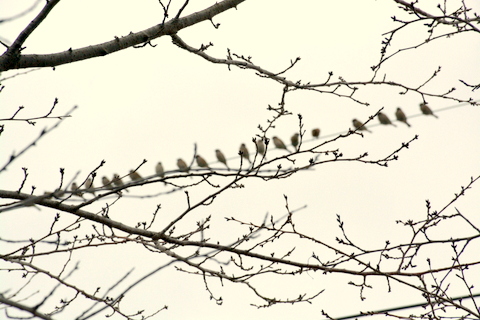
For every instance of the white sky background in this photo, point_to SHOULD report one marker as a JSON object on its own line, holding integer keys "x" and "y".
{"x": 155, "y": 103}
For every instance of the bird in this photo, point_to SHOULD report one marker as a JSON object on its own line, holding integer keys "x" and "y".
{"x": 279, "y": 143}
{"x": 401, "y": 116}
{"x": 426, "y": 110}
{"x": 117, "y": 181}
{"x": 182, "y": 165}
{"x": 106, "y": 183}
{"x": 74, "y": 188}
{"x": 221, "y": 157}
{"x": 89, "y": 185}
{"x": 201, "y": 162}
{"x": 260, "y": 146}
{"x": 159, "y": 170}
{"x": 294, "y": 140}
{"x": 58, "y": 193}
{"x": 359, "y": 126}
{"x": 134, "y": 175}
{"x": 382, "y": 117}
{"x": 244, "y": 152}
{"x": 316, "y": 133}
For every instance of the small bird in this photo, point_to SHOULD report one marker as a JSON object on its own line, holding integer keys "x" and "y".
{"x": 201, "y": 162}
{"x": 244, "y": 152}
{"x": 182, "y": 165}
{"x": 279, "y": 143}
{"x": 134, "y": 175}
{"x": 221, "y": 157}
{"x": 58, "y": 193}
{"x": 260, "y": 146}
{"x": 401, "y": 116}
{"x": 426, "y": 110}
{"x": 159, "y": 170}
{"x": 316, "y": 133}
{"x": 117, "y": 181}
{"x": 74, "y": 188}
{"x": 89, "y": 186}
{"x": 359, "y": 126}
{"x": 106, "y": 183}
{"x": 294, "y": 140}
{"x": 382, "y": 117}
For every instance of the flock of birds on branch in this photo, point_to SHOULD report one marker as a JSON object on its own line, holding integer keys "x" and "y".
{"x": 117, "y": 182}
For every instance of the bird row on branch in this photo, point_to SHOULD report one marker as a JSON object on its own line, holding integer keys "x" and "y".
{"x": 399, "y": 114}
{"x": 134, "y": 176}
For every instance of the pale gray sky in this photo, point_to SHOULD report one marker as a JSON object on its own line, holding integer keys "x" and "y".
{"x": 155, "y": 103}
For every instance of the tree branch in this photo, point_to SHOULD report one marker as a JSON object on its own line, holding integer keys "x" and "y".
{"x": 12, "y": 59}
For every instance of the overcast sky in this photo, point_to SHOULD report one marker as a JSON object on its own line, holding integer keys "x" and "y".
{"x": 155, "y": 103}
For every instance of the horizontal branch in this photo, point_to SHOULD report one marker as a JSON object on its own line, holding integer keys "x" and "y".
{"x": 443, "y": 19}
{"x": 40, "y": 200}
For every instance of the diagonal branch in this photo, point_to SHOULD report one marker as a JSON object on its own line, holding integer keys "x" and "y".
{"x": 241, "y": 64}
{"x": 12, "y": 59}
{"x": 32, "y": 310}
{"x": 13, "y": 52}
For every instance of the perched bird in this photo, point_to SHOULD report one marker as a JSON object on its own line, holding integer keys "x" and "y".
{"x": 182, "y": 165}
{"x": 74, "y": 188}
{"x": 382, "y": 117}
{"x": 58, "y": 193}
{"x": 106, "y": 183}
{"x": 89, "y": 185}
{"x": 117, "y": 181}
{"x": 426, "y": 110}
{"x": 221, "y": 158}
{"x": 159, "y": 170}
{"x": 260, "y": 146}
{"x": 294, "y": 140}
{"x": 279, "y": 143}
{"x": 134, "y": 175}
{"x": 316, "y": 133}
{"x": 244, "y": 152}
{"x": 201, "y": 162}
{"x": 359, "y": 126}
{"x": 401, "y": 116}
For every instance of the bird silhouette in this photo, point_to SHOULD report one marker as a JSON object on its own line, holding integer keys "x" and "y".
{"x": 426, "y": 110}
{"x": 382, "y": 117}
{"x": 260, "y": 146}
{"x": 279, "y": 143}
{"x": 221, "y": 157}
{"x": 106, "y": 182}
{"x": 244, "y": 152}
{"x": 294, "y": 140}
{"x": 182, "y": 165}
{"x": 89, "y": 186}
{"x": 401, "y": 116}
{"x": 117, "y": 181}
{"x": 134, "y": 175}
{"x": 159, "y": 170}
{"x": 201, "y": 162}
{"x": 359, "y": 126}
